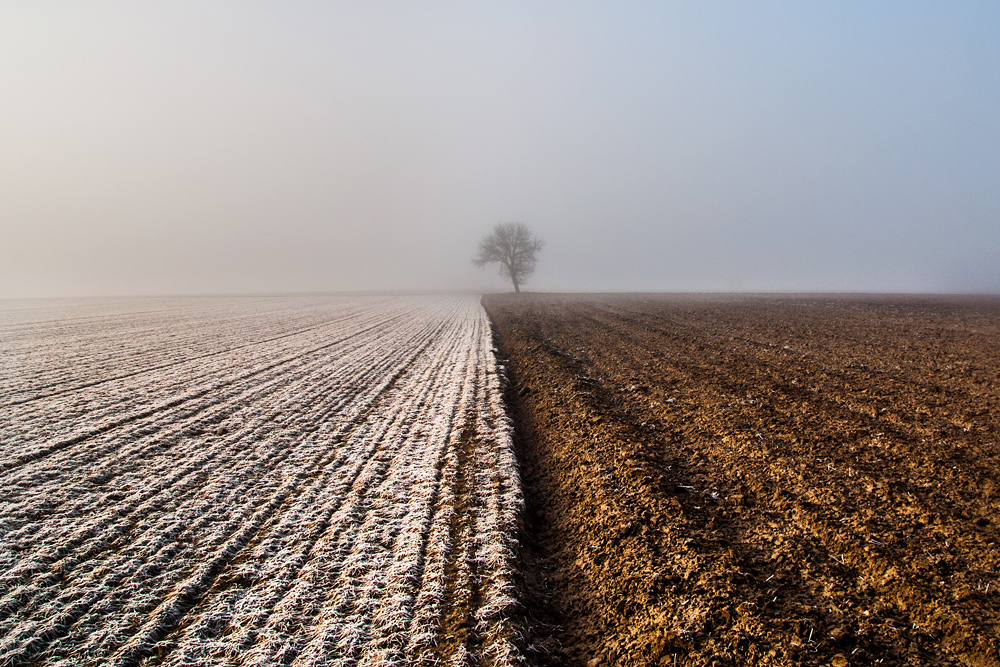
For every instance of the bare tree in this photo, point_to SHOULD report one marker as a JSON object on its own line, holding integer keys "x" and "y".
{"x": 514, "y": 247}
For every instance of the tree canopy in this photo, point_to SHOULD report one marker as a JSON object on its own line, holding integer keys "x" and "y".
{"x": 514, "y": 248}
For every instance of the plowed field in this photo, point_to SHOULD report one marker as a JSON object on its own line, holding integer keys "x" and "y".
{"x": 752, "y": 481}
{"x": 284, "y": 481}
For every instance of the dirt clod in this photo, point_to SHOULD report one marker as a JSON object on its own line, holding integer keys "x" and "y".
{"x": 759, "y": 481}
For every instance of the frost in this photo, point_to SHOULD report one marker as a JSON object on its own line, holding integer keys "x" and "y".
{"x": 253, "y": 481}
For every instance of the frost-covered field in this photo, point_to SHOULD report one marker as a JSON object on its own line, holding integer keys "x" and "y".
{"x": 254, "y": 481}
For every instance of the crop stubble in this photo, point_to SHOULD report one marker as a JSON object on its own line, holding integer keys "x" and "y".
{"x": 254, "y": 481}
{"x": 723, "y": 480}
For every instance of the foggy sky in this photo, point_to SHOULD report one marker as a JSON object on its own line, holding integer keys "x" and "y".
{"x": 215, "y": 147}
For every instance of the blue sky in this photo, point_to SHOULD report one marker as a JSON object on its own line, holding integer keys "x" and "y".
{"x": 240, "y": 146}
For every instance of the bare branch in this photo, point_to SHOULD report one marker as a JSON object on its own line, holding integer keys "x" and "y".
{"x": 514, "y": 248}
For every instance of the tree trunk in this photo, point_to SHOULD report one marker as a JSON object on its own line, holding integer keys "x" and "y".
{"x": 517, "y": 288}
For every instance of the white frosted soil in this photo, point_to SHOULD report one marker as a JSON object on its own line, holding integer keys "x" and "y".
{"x": 254, "y": 481}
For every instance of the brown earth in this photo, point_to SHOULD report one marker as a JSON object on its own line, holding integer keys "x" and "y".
{"x": 742, "y": 480}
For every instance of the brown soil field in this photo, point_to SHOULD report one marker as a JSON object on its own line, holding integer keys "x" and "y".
{"x": 739, "y": 480}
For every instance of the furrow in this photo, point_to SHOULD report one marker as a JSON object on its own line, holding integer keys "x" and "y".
{"x": 267, "y": 481}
